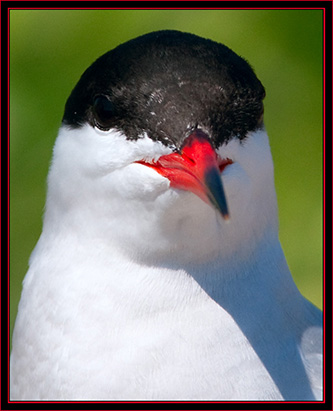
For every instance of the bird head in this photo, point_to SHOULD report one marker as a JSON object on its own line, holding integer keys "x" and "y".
{"x": 162, "y": 142}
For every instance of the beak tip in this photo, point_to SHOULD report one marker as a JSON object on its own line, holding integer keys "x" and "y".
{"x": 215, "y": 192}
{"x": 226, "y": 217}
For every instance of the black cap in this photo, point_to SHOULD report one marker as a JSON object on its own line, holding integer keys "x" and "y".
{"x": 166, "y": 84}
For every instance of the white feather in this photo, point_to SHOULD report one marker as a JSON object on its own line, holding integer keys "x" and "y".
{"x": 139, "y": 291}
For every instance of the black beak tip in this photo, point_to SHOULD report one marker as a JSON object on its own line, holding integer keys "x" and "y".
{"x": 216, "y": 193}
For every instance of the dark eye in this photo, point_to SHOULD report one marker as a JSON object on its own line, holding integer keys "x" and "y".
{"x": 103, "y": 111}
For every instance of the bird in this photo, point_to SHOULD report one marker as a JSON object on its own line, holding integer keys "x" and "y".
{"x": 159, "y": 274}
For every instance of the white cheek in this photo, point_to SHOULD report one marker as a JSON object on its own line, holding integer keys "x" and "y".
{"x": 138, "y": 182}
{"x": 237, "y": 187}
{"x": 114, "y": 151}
{"x": 97, "y": 153}
{"x": 235, "y": 178}
{"x": 242, "y": 179}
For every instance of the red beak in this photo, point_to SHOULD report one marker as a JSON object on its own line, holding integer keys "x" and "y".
{"x": 196, "y": 168}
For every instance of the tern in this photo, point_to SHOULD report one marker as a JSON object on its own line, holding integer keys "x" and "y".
{"x": 159, "y": 273}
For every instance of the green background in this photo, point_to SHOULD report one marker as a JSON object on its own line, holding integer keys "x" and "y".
{"x": 49, "y": 50}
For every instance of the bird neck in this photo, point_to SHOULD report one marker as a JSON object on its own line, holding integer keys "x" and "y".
{"x": 188, "y": 233}
{"x": 167, "y": 246}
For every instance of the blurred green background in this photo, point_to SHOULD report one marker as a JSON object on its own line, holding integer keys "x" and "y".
{"x": 50, "y": 49}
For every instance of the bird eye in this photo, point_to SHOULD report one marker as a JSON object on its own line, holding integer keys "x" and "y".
{"x": 103, "y": 111}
